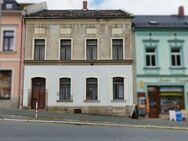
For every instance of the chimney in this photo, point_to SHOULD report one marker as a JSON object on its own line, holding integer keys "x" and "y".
{"x": 85, "y": 5}
{"x": 181, "y": 11}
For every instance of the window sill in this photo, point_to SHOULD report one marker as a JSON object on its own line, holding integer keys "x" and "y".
{"x": 118, "y": 101}
{"x": 64, "y": 100}
{"x": 8, "y": 52}
{"x": 4, "y": 99}
{"x": 91, "y": 101}
{"x": 157, "y": 68}
{"x": 178, "y": 68}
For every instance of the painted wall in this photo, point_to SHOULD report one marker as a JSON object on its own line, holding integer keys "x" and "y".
{"x": 163, "y": 52}
{"x": 163, "y": 74}
{"x": 11, "y": 60}
{"x": 78, "y": 75}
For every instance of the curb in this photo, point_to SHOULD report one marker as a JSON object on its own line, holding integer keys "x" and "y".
{"x": 97, "y": 124}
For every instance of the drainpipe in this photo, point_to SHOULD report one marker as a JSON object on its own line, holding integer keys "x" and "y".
{"x": 21, "y": 67}
{"x": 1, "y": 3}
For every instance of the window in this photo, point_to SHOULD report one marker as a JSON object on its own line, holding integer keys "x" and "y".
{"x": 65, "y": 50}
{"x": 91, "y": 45}
{"x": 65, "y": 89}
{"x": 39, "y": 49}
{"x": 5, "y": 84}
{"x": 117, "y": 49}
{"x": 9, "y": 6}
{"x": 118, "y": 88}
{"x": 91, "y": 89}
{"x": 171, "y": 98}
{"x": 176, "y": 57}
{"x": 150, "y": 57}
{"x": 8, "y": 40}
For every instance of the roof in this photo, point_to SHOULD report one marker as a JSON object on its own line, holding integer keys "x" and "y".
{"x": 80, "y": 14}
{"x": 160, "y": 21}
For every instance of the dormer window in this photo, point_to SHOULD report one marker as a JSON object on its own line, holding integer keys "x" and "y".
{"x": 8, "y": 5}
{"x": 153, "y": 22}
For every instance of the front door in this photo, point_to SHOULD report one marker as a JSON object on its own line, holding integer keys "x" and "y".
{"x": 38, "y": 93}
{"x": 154, "y": 101}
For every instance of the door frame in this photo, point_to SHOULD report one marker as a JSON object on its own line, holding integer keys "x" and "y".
{"x": 157, "y": 98}
{"x": 45, "y": 93}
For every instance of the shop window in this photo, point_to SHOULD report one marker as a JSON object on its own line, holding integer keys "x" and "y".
{"x": 65, "y": 49}
{"x": 91, "y": 89}
{"x": 65, "y": 89}
{"x": 118, "y": 88}
{"x": 5, "y": 84}
{"x": 172, "y": 98}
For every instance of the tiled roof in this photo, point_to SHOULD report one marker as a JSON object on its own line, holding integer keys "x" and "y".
{"x": 80, "y": 14}
{"x": 158, "y": 21}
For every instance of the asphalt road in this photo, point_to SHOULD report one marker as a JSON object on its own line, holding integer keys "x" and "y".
{"x": 29, "y": 131}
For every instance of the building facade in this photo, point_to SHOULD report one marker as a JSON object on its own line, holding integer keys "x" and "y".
{"x": 10, "y": 53}
{"x": 79, "y": 61}
{"x": 161, "y": 53}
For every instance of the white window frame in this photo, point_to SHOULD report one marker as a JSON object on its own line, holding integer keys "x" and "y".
{"x": 59, "y": 49}
{"x": 7, "y": 28}
{"x": 126, "y": 88}
{"x": 91, "y": 38}
{"x": 71, "y": 94}
{"x": 45, "y": 47}
{"x": 85, "y": 87}
{"x": 176, "y": 54}
{"x": 123, "y": 39}
{"x": 150, "y": 57}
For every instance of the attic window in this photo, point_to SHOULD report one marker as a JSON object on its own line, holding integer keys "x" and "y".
{"x": 8, "y": 5}
{"x": 153, "y": 22}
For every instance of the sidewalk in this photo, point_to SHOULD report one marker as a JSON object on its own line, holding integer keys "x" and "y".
{"x": 60, "y": 117}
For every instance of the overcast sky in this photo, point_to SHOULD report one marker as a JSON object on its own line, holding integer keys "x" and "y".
{"x": 165, "y": 7}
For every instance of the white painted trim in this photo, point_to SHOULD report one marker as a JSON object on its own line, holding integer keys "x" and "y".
{"x": 88, "y": 38}
{"x": 45, "y": 47}
{"x": 123, "y": 46}
{"x": 98, "y": 85}
{"x": 10, "y": 60}
{"x": 126, "y": 82}
{"x": 66, "y": 76}
{"x": 59, "y": 47}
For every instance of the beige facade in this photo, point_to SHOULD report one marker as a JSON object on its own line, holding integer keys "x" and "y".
{"x": 79, "y": 30}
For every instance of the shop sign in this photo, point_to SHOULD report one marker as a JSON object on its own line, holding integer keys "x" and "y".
{"x": 175, "y": 80}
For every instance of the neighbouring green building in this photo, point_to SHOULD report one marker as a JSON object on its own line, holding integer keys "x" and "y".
{"x": 162, "y": 63}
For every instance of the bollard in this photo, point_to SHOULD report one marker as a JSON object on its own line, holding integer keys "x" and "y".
{"x": 36, "y": 111}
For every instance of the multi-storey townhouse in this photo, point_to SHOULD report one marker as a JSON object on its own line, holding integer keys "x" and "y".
{"x": 162, "y": 61}
{"x": 79, "y": 61}
{"x": 10, "y": 53}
